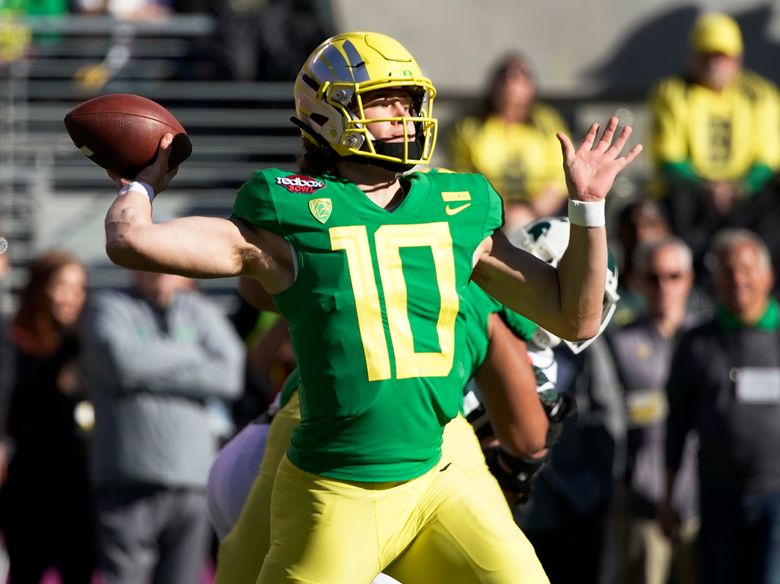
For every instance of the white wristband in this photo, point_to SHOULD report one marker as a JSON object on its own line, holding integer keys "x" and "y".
{"x": 140, "y": 187}
{"x": 587, "y": 213}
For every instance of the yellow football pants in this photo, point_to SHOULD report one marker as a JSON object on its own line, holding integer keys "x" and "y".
{"x": 241, "y": 553}
{"x": 328, "y": 531}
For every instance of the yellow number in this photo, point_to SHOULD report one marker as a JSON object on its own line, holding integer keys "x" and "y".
{"x": 354, "y": 241}
{"x": 389, "y": 239}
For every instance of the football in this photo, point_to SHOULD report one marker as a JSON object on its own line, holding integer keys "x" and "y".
{"x": 120, "y": 132}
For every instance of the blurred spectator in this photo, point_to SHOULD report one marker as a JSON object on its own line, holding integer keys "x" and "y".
{"x": 566, "y": 517}
{"x": 271, "y": 357}
{"x": 725, "y": 384}
{"x": 143, "y": 10}
{"x": 7, "y": 366}
{"x": 261, "y": 39}
{"x": 46, "y": 508}
{"x": 155, "y": 358}
{"x": 269, "y": 361}
{"x": 5, "y": 264}
{"x": 640, "y": 221}
{"x": 36, "y": 7}
{"x": 511, "y": 141}
{"x": 642, "y": 353}
{"x": 257, "y": 392}
{"x": 715, "y": 139}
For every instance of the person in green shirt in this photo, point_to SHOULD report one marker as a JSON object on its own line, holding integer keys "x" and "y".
{"x": 724, "y": 385}
{"x": 496, "y": 339}
{"x": 242, "y": 476}
{"x": 369, "y": 266}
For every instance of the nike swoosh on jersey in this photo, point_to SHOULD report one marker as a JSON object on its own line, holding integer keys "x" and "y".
{"x": 455, "y": 210}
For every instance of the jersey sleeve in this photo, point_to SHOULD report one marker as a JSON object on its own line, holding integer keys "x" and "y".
{"x": 289, "y": 387}
{"x": 254, "y": 204}
{"x": 518, "y": 324}
{"x": 479, "y": 190}
{"x": 495, "y": 211}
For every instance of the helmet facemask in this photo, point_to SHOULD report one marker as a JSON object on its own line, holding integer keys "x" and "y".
{"x": 397, "y": 156}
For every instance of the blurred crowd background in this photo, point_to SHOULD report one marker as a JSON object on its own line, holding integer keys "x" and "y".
{"x": 701, "y": 95}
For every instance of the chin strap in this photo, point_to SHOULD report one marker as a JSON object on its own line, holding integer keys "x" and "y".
{"x": 397, "y": 150}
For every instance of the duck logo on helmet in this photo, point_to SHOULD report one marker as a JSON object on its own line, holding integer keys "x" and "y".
{"x": 298, "y": 183}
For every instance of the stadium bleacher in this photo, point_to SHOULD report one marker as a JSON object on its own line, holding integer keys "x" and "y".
{"x": 52, "y": 196}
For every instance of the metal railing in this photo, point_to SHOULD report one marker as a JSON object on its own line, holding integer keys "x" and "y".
{"x": 52, "y": 196}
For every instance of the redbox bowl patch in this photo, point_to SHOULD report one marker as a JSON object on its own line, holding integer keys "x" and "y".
{"x": 298, "y": 183}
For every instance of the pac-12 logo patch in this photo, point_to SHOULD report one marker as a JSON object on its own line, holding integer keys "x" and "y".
{"x": 321, "y": 209}
{"x": 298, "y": 183}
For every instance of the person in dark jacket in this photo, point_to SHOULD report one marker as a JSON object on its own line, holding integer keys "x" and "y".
{"x": 642, "y": 352}
{"x": 724, "y": 383}
{"x": 46, "y": 505}
{"x": 156, "y": 358}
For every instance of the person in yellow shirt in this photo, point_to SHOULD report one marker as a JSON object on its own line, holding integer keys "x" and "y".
{"x": 715, "y": 135}
{"x": 511, "y": 141}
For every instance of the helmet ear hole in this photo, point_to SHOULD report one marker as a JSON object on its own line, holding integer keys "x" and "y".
{"x": 318, "y": 119}
{"x": 310, "y": 82}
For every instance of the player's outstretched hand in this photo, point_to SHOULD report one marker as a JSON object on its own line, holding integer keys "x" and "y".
{"x": 157, "y": 173}
{"x": 591, "y": 168}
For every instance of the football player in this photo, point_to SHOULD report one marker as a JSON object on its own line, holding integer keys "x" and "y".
{"x": 495, "y": 342}
{"x": 546, "y": 238}
{"x": 497, "y": 357}
{"x": 369, "y": 266}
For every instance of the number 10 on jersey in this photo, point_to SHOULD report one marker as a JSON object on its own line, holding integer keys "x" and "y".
{"x": 388, "y": 241}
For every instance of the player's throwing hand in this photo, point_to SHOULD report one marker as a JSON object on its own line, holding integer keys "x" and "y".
{"x": 157, "y": 173}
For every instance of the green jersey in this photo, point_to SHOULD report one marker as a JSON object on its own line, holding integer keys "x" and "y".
{"x": 289, "y": 387}
{"x": 479, "y": 306}
{"x": 375, "y": 313}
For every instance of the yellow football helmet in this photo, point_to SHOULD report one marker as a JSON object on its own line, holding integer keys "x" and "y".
{"x": 329, "y": 94}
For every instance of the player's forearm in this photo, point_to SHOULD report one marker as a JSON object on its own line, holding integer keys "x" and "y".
{"x": 197, "y": 247}
{"x": 564, "y": 301}
{"x": 581, "y": 276}
{"x": 127, "y": 220}
{"x": 255, "y": 295}
{"x": 508, "y": 388}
